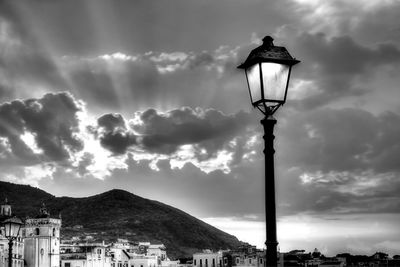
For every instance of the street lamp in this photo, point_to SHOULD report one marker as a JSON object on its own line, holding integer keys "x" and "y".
{"x": 11, "y": 232}
{"x": 268, "y": 69}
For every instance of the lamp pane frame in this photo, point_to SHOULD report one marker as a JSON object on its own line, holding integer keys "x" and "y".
{"x": 12, "y": 227}
{"x": 262, "y": 87}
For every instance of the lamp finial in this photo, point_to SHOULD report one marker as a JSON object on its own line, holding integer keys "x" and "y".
{"x": 268, "y": 41}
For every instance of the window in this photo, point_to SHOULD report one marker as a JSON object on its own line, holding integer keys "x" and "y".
{"x": 195, "y": 262}
{"x": 206, "y": 262}
{"x": 67, "y": 264}
{"x": 37, "y": 231}
{"x": 54, "y": 231}
{"x": 201, "y": 262}
{"x": 213, "y": 263}
{"x": 249, "y": 261}
{"x": 261, "y": 261}
{"x": 237, "y": 260}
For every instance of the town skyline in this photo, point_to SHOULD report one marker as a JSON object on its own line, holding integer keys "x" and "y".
{"x": 145, "y": 96}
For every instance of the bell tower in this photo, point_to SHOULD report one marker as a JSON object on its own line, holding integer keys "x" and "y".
{"x": 42, "y": 240}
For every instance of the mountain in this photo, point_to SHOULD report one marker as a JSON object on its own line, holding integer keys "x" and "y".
{"x": 118, "y": 213}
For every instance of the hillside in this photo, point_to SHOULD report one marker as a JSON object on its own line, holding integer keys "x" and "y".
{"x": 118, "y": 213}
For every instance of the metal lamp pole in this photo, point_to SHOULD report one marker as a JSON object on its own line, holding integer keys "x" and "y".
{"x": 268, "y": 69}
{"x": 10, "y": 245}
{"x": 270, "y": 206}
{"x": 11, "y": 229}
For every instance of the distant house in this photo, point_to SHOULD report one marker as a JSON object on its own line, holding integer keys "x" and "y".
{"x": 90, "y": 255}
{"x": 208, "y": 258}
{"x": 246, "y": 256}
{"x": 120, "y": 257}
{"x": 157, "y": 250}
{"x": 136, "y": 260}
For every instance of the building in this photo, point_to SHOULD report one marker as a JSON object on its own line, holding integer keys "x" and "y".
{"x": 119, "y": 257}
{"x": 42, "y": 240}
{"x": 84, "y": 255}
{"x": 158, "y": 250}
{"x": 248, "y": 256}
{"x": 207, "y": 258}
{"x": 243, "y": 256}
{"x": 137, "y": 260}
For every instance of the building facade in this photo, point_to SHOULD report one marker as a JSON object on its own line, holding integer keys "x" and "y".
{"x": 88, "y": 255}
{"x": 42, "y": 240}
{"x": 208, "y": 258}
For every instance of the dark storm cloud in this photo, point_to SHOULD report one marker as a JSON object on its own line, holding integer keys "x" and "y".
{"x": 113, "y": 133}
{"x": 111, "y": 122}
{"x": 380, "y": 23}
{"x": 339, "y": 161}
{"x": 339, "y": 193}
{"x": 52, "y": 120}
{"x": 342, "y": 140}
{"x": 11, "y": 128}
{"x": 164, "y": 133}
{"x": 211, "y": 129}
{"x": 343, "y": 55}
{"x": 339, "y": 66}
{"x": 201, "y": 59}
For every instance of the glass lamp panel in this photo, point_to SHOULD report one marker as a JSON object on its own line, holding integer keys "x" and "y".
{"x": 254, "y": 82}
{"x": 275, "y": 78}
{"x": 11, "y": 229}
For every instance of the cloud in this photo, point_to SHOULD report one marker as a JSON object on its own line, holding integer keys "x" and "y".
{"x": 209, "y": 129}
{"x": 328, "y": 159}
{"x": 338, "y": 161}
{"x": 341, "y": 140}
{"x": 343, "y": 17}
{"x": 181, "y": 134}
{"x": 113, "y": 133}
{"x": 53, "y": 122}
{"x": 336, "y": 67}
{"x": 331, "y": 160}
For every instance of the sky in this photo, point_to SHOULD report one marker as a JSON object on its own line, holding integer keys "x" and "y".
{"x": 145, "y": 96}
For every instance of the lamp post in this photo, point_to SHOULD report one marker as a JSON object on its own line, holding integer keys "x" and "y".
{"x": 11, "y": 232}
{"x": 268, "y": 69}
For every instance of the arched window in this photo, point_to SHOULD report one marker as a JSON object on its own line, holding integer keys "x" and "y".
{"x": 37, "y": 232}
